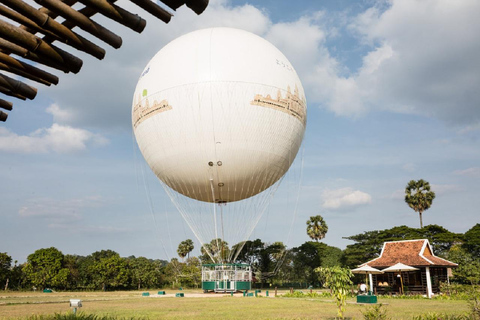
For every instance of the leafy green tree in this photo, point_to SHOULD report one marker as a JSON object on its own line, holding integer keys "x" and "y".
{"x": 61, "y": 279}
{"x": 174, "y": 271}
{"x": 311, "y": 255}
{"x": 419, "y": 197}
{"x": 109, "y": 270}
{"x": 339, "y": 280}
{"x": 472, "y": 240}
{"x": 145, "y": 273}
{"x": 269, "y": 258}
{"x": 192, "y": 273}
{"x": 250, "y": 252}
{"x": 468, "y": 270}
{"x": 43, "y": 267}
{"x": 265, "y": 259}
{"x": 216, "y": 249}
{"x": 71, "y": 262}
{"x": 440, "y": 238}
{"x": 17, "y": 277}
{"x": 184, "y": 248}
{"x": 5, "y": 269}
{"x": 317, "y": 228}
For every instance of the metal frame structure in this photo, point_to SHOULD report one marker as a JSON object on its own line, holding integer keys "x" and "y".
{"x": 29, "y": 33}
{"x": 226, "y": 277}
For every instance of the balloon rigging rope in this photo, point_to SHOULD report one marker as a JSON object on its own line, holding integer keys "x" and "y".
{"x": 238, "y": 218}
{"x": 295, "y": 213}
{"x": 152, "y": 211}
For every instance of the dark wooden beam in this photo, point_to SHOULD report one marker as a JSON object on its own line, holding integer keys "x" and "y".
{"x": 19, "y": 65}
{"x": 31, "y": 27}
{"x": 34, "y": 44}
{"x": 18, "y": 87}
{"x": 7, "y": 105}
{"x": 82, "y": 22}
{"x": 48, "y": 23}
{"x": 10, "y": 48}
{"x": 154, "y": 9}
{"x": 10, "y": 93}
{"x": 3, "y": 116}
{"x": 114, "y": 12}
{"x": 198, "y": 6}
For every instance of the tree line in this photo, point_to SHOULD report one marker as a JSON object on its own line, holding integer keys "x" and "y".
{"x": 272, "y": 263}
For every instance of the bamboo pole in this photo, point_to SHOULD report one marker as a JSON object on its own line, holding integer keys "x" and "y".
{"x": 17, "y": 87}
{"x": 3, "y": 116}
{"x": 59, "y": 31}
{"x": 22, "y": 66}
{"x": 198, "y": 6}
{"x": 40, "y": 47}
{"x": 7, "y": 105}
{"x": 120, "y": 15}
{"x": 82, "y": 22}
{"x": 10, "y": 93}
{"x": 22, "y": 73}
{"x": 174, "y": 4}
{"x": 154, "y": 9}
{"x": 11, "y": 48}
{"x": 26, "y": 23}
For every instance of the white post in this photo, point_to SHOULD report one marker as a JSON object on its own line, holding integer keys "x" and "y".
{"x": 429, "y": 282}
{"x": 370, "y": 278}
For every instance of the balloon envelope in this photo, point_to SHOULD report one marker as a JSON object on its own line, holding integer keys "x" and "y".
{"x": 219, "y": 115}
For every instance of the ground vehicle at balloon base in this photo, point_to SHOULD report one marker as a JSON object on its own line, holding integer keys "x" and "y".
{"x": 226, "y": 277}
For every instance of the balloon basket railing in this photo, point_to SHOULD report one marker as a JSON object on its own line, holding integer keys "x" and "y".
{"x": 226, "y": 277}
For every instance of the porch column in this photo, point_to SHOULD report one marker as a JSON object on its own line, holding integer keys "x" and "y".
{"x": 370, "y": 278}
{"x": 429, "y": 282}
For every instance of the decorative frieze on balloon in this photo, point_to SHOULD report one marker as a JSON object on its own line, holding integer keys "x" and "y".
{"x": 292, "y": 104}
{"x": 142, "y": 109}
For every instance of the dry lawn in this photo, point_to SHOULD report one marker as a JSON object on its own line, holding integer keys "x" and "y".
{"x": 127, "y": 304}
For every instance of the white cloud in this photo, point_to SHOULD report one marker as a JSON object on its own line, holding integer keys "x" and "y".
{"x": 344, "y": 198}
{"x": 470, "y": 172}
{"x": 57, "y": 138}
{"x": 425, "y": 61}
{"x": 61, "y": 115}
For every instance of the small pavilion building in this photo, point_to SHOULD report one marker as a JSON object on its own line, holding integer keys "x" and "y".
{"x": 415, "y": 253}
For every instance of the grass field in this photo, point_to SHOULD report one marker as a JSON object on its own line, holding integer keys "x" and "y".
{"x": 128, "y": 304}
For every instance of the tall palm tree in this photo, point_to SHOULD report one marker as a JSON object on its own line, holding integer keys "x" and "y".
{"x": 419, "y": 197}
{"x": 189, "y": 247}
{"x": 184, "y": 248}
{"x": 317, "y": 228}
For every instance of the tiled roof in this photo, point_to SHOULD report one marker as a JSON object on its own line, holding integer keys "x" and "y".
{"x": 415, "y": 253}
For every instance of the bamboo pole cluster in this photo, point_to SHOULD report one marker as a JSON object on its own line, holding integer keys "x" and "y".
{"x": 29, "y": 33}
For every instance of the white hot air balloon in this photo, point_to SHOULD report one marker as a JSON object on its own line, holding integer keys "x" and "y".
{"x": 219, "y": 115}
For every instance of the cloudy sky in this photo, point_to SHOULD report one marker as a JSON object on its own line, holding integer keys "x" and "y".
{"x": 392, "y": 91}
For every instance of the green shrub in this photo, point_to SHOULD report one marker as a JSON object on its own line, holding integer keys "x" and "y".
{"x": 375, "y": 312}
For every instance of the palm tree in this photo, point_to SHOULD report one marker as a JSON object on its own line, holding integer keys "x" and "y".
{"x": 317, "y": 228}
{"x": 184, "y": 248}
{"x": 189, "y": 247}
{"x": 419, "y": 197}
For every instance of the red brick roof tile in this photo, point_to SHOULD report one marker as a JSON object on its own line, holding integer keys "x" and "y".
{"x": 415, "y": 253}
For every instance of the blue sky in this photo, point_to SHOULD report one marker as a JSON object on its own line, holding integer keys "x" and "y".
{"x": 392, "y": 91}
